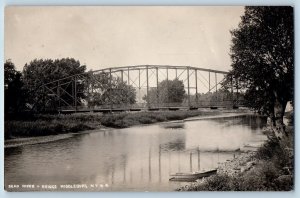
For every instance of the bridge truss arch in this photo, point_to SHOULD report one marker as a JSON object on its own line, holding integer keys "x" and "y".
{"x": 79, "y": 92}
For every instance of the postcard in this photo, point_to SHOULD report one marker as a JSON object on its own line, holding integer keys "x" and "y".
{"x": 149, "y": 98}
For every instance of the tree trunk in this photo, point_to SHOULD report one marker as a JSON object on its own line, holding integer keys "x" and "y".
{"x": 277, "y": 124}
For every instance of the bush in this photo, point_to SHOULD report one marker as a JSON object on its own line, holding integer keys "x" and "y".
{"x": 269, "y": 149}
{"x": 267, "y": 175}
{"x": 217, "y": 183}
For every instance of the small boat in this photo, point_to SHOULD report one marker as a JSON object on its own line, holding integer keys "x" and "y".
{"x": 193, "y": 176}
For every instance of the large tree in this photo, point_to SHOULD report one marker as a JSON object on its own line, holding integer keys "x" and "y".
{"x": 262, "y": 54}
{"x": 168, "y": 91}
{"x": 109, "y": 91}
{"x": 14, "y": 91}
{"x": 41, "y": 71}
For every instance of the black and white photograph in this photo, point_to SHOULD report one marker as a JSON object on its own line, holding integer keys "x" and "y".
{"x": 148, "y": 98}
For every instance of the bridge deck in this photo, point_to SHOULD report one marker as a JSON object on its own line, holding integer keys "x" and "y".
{"x": 171, "y": 108}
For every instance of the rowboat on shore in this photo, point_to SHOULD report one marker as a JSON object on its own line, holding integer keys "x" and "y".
{"x": 192, "y": 176}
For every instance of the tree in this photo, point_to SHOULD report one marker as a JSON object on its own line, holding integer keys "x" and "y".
{"x": 263, "y": 61}
{"x": 108, "y": 91}
{"x": 168, "y": 91}
{"x": 14, "y": 91}
{"x": 39, "y": 72}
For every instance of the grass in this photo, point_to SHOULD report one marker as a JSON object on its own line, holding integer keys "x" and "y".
{"x": 47, "y": 124}
{"x": 42, "y": 128}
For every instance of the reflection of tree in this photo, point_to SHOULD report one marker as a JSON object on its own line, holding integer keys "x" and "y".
{"x": 252, "y": 121}
{"x": 13, "y": 151}
{"x": 176, "y": 145}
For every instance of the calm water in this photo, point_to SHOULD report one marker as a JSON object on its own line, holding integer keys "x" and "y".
{"x": 134, "y": 159}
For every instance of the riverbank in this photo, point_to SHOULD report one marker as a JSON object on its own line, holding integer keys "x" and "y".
{"x": 45, "y": 125}
{"x": 270, "y": 168}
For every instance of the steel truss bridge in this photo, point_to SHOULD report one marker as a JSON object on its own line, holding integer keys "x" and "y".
{"x": 82, "y": 92}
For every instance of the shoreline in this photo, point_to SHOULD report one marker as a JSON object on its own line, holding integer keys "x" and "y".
{"x": 243, "y": 162}
{"x": 21, "y": 141}
{"x": 269, "y": 167}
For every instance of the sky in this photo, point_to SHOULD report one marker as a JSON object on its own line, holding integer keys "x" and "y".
{"x": 109, "y": 36}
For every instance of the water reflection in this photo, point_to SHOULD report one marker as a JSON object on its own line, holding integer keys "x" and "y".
{"x": 175, "y": 145}
{"x": 252, "y": 121}
{"x": 133, "y": 159}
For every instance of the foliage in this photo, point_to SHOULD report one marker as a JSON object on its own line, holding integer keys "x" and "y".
{"x": 40, "y": 71}
{"x": 110, "y": 91}
{"x": 42, "y": 128}
{"x": 168, "y": 91}
{"x": 14, "y": 92}
{"x": 264, "y": 177}
{"x": 262, "y": 55}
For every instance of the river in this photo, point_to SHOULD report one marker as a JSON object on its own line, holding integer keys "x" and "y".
{"x": 139, "y": 158}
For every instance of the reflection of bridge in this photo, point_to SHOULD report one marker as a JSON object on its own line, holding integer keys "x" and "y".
{"x": 79, "y": 92}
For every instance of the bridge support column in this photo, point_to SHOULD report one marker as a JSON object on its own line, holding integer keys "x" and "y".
{"x": 110, "y": 90}
{"x": 147, "y": 80}
{"x": 168, "y": 87}
{"x": 216, "y": 82}
{"x": 188, "y": 81}
{"x": 208, "y": 81}
{"x": 139, "y": 85}
{"x": 44, "y": 99}
{"x": 157, "y": 91}
{"x": 122, "y": 76}
{"x": 139, "y": 79}
{"x": 128, "y": 77}
{"x": 88, "y": 89}
{"x": 196, "y": 84}
{"x": 75, "y": 93}
{"x": 92, "y": 93}
{"x": 58, "y": 95}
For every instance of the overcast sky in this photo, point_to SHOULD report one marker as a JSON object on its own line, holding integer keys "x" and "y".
{"x": 103, "y": 37}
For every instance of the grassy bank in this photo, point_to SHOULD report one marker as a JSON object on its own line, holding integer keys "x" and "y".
{"x": 268, "y": 169}
{"x": 41, "y": 125}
